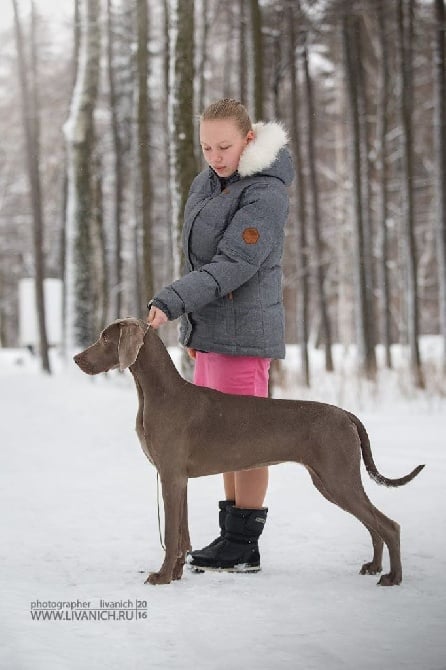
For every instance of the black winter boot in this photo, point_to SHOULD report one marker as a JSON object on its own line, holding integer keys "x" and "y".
{"x": 223, "y": 507}
{"x": 238, "y": 551}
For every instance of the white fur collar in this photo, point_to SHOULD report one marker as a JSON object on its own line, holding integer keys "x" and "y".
{"x": 262, "y": 151}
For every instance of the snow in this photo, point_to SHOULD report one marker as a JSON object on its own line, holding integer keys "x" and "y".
{"x": 79, "y": 522}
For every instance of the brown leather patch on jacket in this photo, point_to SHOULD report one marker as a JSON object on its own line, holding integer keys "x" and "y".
{"x": 250, "y": 235}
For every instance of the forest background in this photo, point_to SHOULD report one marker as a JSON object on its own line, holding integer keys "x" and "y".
{"x": 99, "y": 110}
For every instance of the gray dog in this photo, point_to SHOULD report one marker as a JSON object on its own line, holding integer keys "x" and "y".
{"x": 189, "y": 431}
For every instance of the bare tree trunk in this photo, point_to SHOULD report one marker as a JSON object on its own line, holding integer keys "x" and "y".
{"x": 137, "y": 270}
{"x": 63, "y": 236}
{"x": 243, "y": 57}
{"x": 182, "y": 160}
{"x": 142, "y": 59}
{"x": 381, "y": 150}
{"x": 3, "y": 316}
{"x": 316, "y": 218}
{"x": 30, "y": 115}
{"x": 301, "y": 219}
{"x": 79, "y": 133}
{"x": 203, "y": 55}
{"x": 366, "y": 192}
{"x": 440, "y": 144}
{"x": 351, "y": 48}
{"x": 277, "y": 65}
{"x": 181, "y": 109}
{"x": 170, "y": 257}
{"x": 344, "y": 319}
{"x": 99, "y": 253}
{"x": 118, "y": 169}
{"x": 405, "y": 35}
{"x": 171, "y": 7}
{"x": 230, "y": 59}
{"x": 256, "y": 28}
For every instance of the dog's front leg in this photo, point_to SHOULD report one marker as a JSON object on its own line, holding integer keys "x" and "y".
{"x": 184, "y": 540}
{"x": 174, "y": 491}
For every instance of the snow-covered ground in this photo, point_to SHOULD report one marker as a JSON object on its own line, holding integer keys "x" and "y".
{"x": 79, "y": 523}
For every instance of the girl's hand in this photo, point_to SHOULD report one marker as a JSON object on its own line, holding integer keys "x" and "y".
{"x": 156, "y": 317}
{"x": 191, "y": 353}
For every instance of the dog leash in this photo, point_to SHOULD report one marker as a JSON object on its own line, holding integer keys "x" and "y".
{"x": 158, "y": 505}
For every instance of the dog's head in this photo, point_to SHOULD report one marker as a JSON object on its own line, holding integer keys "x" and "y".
{"x": 117, "y": 347}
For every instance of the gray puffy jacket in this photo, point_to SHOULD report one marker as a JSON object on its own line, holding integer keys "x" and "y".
{"x": 230, "y": 300}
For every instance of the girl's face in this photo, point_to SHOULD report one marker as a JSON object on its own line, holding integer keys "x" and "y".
{"x": 223, "y": 143}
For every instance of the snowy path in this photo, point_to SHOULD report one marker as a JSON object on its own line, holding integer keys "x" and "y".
{"x": 78, "y": 522}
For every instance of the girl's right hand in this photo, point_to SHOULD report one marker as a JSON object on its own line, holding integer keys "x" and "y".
{"x": 191, "y": 353}
{"x": 156, "y": 317}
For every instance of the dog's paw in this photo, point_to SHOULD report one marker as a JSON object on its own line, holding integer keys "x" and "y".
{"x": 370, "y": 568}
{"x": 178, "y": 569}
{"x": 158, "y": 578}
{"x": 390, "y": 579}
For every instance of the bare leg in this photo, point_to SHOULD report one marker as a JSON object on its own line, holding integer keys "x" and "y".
{"x": 247, "y": 487}
{"x": 229, "y": 484}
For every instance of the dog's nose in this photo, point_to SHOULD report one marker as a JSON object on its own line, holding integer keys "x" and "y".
{"x": 79, "y": 359}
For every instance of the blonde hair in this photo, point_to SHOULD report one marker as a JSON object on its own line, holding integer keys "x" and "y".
{"x": 228, "y": 108}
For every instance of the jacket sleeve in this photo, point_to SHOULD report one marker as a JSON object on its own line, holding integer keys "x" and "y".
{"x": 253, "y": 232}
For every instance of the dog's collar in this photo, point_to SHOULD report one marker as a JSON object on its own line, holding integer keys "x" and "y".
{"x": 146, "y": 327}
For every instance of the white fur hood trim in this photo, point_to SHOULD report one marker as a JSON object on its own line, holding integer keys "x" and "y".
{"x": 263, "y": 150}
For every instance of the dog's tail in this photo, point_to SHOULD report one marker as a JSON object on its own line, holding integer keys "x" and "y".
{"x": 370, "y": 464}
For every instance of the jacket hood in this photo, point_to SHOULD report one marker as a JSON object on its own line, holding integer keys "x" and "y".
{"x": 267, "y": 154}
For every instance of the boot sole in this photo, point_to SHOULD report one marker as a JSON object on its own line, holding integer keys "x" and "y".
{"x": 240, "y": 568}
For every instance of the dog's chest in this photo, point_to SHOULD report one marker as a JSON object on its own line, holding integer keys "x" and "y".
{"x": 145, "y": 442}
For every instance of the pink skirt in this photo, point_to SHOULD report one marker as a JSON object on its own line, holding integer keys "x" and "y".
{"x": 240, "y": 375}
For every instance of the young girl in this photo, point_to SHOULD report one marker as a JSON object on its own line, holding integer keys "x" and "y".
{"x": 230, "y": 300}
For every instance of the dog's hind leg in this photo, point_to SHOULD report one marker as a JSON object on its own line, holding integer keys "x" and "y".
{"x": 174, "y": 491}
{"x": 349, "y": 495}
{"x": 374, "y": 566}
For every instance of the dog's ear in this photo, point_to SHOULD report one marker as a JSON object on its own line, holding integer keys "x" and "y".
{"x": 131, "y": 339}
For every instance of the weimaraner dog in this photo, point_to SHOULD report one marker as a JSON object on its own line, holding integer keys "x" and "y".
{"x": 190, "y": 431}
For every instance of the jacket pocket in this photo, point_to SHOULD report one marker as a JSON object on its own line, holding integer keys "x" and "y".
{"x": 249, "y": 331}
{"x": 219, "y": 321}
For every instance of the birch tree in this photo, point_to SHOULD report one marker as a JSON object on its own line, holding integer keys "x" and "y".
{"x": 204, "y": 11}
{"x": 63, "y": 234}
{"x": 405, "y": 41}
{"x": 351, "y": 65}
{"x": 80, "y": 137}
{"x": 243, "y": 55}
{"x": 440, "y": 158}
{"x": 361, "y": 43}
{"x": 171, "y": 250}
{"x": 383, "y": 174}
{"x": 182, "y": 160}
{"x": 257, "y": 41}
{"x": 299, "y": 182}
{"x": 315, "y": 211}
{"x": 118, "y": 167}
{"x": 99, "y": 288}
{"x": 145, "y": 182}
{"x": 31, "y": 127}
